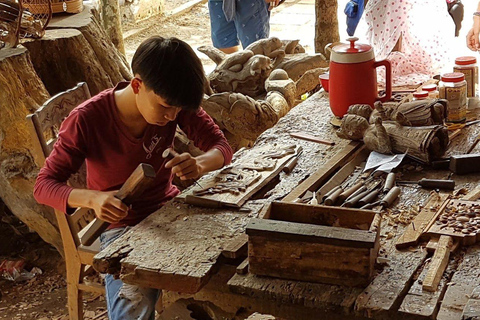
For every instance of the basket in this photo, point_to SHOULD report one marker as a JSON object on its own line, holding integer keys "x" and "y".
{"x": 69, "y": 6}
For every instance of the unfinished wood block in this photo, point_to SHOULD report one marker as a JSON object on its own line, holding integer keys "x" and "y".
{"x": 314, "y": 243}
{"x": 438, "y": 264}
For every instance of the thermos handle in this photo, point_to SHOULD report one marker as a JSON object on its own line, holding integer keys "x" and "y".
{"x": 388, "y": 81}
{"x": 329, "y": 47}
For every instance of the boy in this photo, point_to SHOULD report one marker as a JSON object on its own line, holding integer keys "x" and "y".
{"x": 118, "y": 129}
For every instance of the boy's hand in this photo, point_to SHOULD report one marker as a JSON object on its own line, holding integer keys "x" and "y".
{"x": 107, "y": 207}
{"x": 184, "y": 166}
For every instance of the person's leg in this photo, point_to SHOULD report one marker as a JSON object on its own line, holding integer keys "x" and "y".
{"x": 252, "y": 21}
{"x": 126, "y": 301}
{"x": 224, "y": 33}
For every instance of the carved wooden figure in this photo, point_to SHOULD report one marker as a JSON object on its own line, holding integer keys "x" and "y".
{"x": 425, "y": 143}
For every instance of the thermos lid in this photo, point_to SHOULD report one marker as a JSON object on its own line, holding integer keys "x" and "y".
{"x": 420, "y": 94}
{"x": 453, "y": 77}
{"x": 463, "y": 61}
{"x": 429, "y": 87}
{"x": 352, "y": 52}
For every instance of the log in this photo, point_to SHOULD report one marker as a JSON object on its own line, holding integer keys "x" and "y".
{"x": 21, "y": 92}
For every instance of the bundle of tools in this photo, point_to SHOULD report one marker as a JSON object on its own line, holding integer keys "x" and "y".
{"x": 364, "y": 194}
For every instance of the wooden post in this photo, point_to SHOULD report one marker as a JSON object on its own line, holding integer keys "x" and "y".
{"x": 112, "y": 22}
{"x": 326, "y": 24}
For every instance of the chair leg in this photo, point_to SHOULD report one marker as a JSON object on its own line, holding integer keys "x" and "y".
{"x": 75, "y": 303}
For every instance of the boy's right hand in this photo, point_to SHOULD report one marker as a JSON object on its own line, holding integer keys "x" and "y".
{"x": 107, "y": 207}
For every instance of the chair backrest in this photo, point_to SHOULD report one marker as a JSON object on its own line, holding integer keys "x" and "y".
{"x": 47, "y": 119}
{"x": 44, "y": 124}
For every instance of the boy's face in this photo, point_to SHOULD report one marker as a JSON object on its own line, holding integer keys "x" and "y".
{"x": 153, "y": 108}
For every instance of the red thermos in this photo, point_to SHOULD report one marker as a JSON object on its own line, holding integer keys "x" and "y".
{"x": 353, "y": 76}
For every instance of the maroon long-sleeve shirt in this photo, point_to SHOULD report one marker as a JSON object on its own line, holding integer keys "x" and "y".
{"x": 94, "y": 133}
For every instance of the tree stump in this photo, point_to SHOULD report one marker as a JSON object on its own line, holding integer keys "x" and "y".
{"x": 65, "y": 57}
{"x": 326, "y": 24}
{"x": 21, "y": 92}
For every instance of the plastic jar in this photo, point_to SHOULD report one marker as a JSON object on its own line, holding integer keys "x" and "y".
{"x": 468, "y": 66}
{"x": 420, "y": 95}
{"x": 432, "y": 91}
{"x": 453, "y": 88}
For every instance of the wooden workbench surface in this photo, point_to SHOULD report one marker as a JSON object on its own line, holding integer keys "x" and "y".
{"x": 179, "y": 247}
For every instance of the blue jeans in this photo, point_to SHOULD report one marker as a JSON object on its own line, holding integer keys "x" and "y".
{"x": 126, "y": 301}
{"x": 251, "y": 23}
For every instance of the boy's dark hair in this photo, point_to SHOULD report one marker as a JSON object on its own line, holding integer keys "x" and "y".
{"x": 172, "y": 70}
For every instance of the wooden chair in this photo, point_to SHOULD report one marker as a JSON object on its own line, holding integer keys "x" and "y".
{"x": 44, "y": 124}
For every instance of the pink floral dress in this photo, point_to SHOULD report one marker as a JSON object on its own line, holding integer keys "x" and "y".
{"x": 427, "y": 33}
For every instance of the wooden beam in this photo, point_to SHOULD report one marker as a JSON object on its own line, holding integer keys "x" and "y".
{"x": 438, "y": 264}
{"x": 311, "y": 233}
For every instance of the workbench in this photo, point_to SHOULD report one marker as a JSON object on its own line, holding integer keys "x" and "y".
{"x": 192, "y": 252}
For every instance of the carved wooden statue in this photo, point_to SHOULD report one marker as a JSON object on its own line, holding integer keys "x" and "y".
{"x": 254, "y": 88}
{"x": 425, "y": 143}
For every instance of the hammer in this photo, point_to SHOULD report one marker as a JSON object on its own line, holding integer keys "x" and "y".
{"x": 135, "y": 185}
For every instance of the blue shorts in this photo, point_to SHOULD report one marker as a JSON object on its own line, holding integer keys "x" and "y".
{"x": 251, "y": 23}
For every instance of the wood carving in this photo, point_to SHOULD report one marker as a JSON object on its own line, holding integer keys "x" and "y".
{"x": 414, "y": 113}
{"x": 234, "y": 185}
{"x": 424, "y": 143}
{"x": 246, "y": 71}
{"x": 246, "y": 117}
{"x": 236, "y": 179}
{"x": 231, "y": 180}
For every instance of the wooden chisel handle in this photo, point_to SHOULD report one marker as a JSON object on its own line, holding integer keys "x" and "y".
{"x": 389, "y": 182}
{"x": 348, "y": 192}
{"x": 331, "y": 199}
{"x": 135, "y": 185}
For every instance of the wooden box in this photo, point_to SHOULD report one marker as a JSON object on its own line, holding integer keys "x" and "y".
{"x": 297, "y": 241}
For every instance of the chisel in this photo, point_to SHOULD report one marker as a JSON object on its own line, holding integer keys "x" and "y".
{"x": 432, "y": 183}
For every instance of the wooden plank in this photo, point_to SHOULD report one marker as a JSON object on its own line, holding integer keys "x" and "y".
{"x": 385, "y": 293}
{"x": 303, "y": 232}
{"x": 423, "y": 304}
{"x": 438, "y": 264}
{"x": 236, "y": 248}
{"x": 243, "y": 267}
{"x": 464, "y": 281}
{"x": 236, "y": 200}
{"x": 321, "y": 215}
{"x": 415, "y": 229}
{"x": 472, "y": 308}
{"x": 321, "y": 175}
{"x": 307, "y": 261}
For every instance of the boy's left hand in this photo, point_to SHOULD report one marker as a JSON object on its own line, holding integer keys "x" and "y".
{"x": 184, "y": 166}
